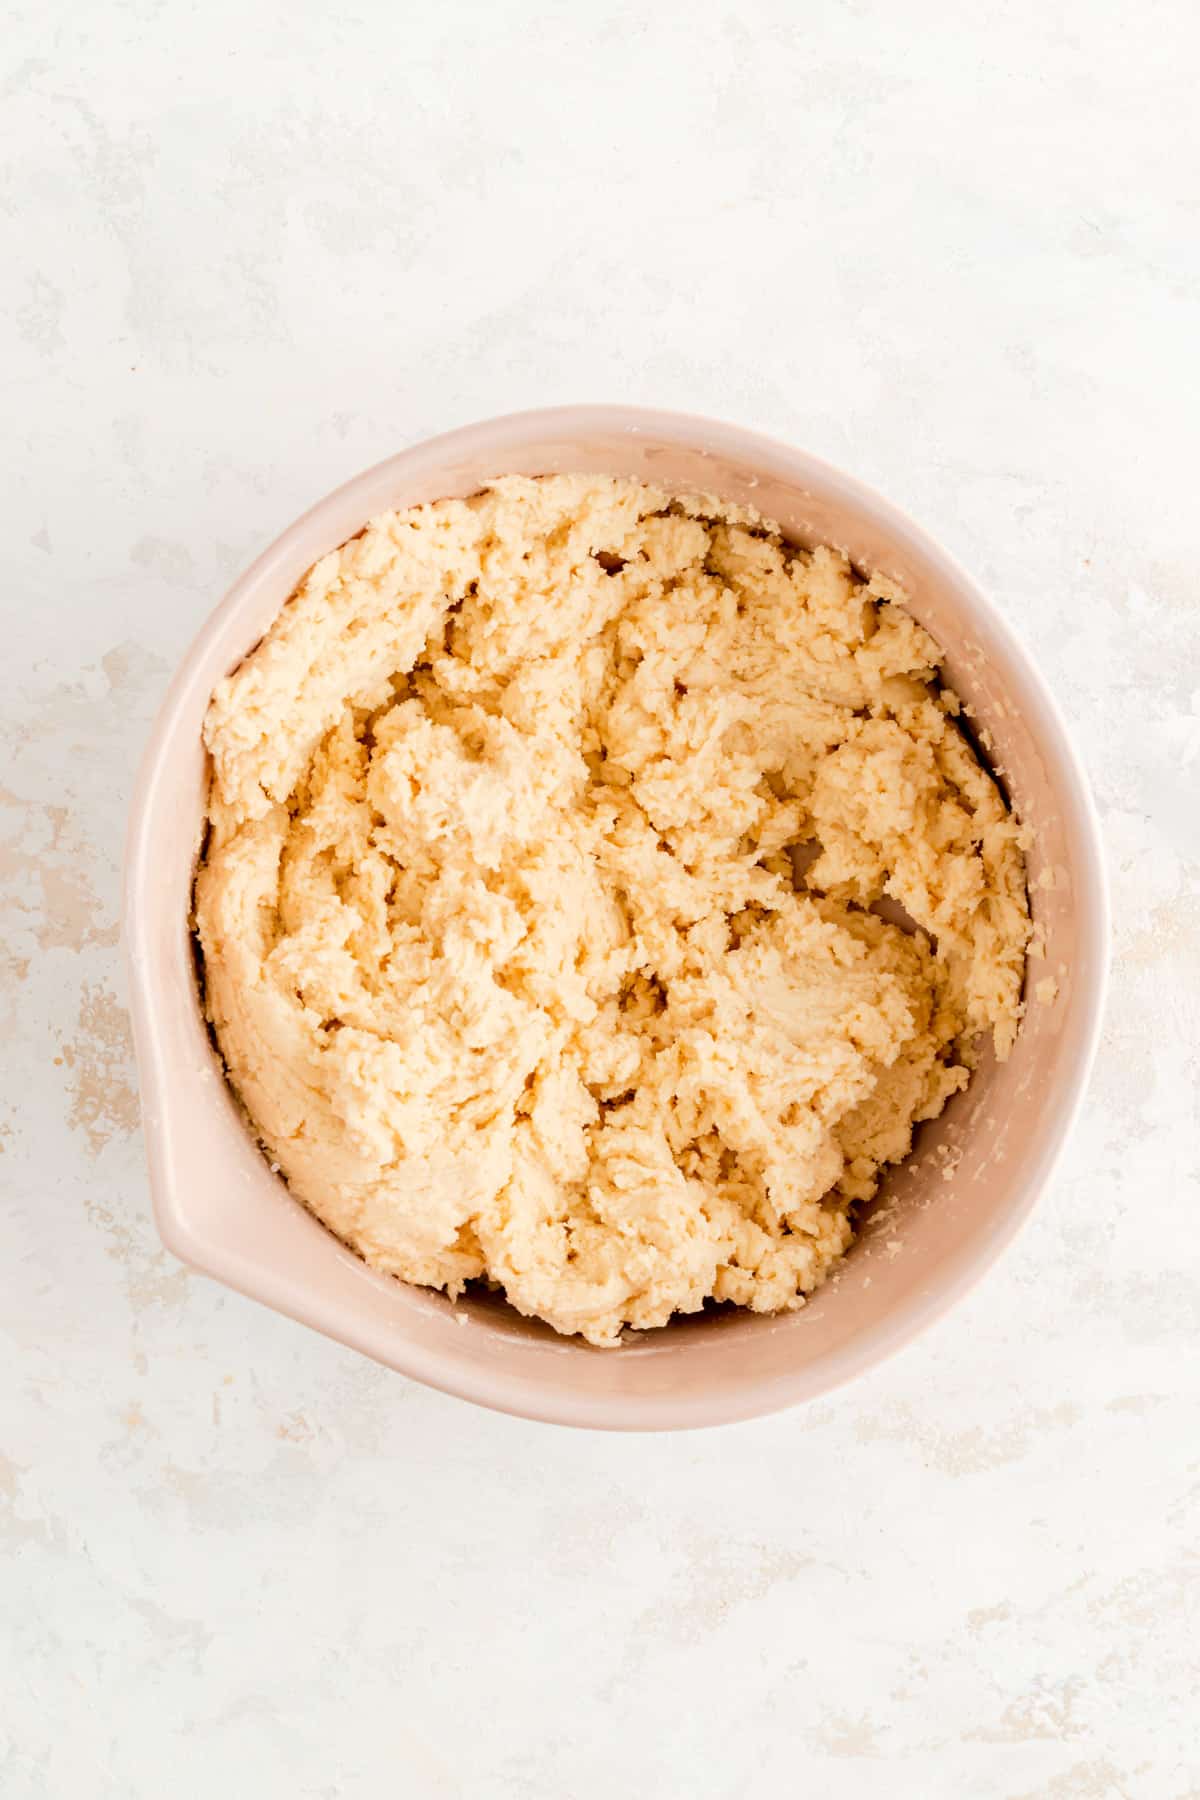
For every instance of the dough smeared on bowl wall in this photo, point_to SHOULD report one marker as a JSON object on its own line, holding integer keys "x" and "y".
{"x": 535, "y": 909}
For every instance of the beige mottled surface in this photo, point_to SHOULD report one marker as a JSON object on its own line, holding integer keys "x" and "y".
{"x": 974, "y": 282}
{"x": 503, "y": 939}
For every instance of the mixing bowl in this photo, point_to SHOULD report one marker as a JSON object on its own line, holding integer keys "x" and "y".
{"x": 941, "y": 1218}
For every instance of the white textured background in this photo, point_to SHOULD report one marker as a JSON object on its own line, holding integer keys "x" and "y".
{"x": 246, "y": 249}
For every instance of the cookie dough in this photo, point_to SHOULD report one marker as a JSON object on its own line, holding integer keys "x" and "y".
{"x": 565, "y": 847}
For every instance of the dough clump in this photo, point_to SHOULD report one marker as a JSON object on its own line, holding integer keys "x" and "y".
{"x": 536, "y": 908}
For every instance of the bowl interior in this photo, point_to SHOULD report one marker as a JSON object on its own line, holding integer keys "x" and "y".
{"x": 940, "y": 1218}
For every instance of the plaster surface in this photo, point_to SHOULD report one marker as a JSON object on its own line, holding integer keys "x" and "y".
{"x": 247, "y": 250}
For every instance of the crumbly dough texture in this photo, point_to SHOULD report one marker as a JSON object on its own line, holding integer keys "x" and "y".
{"x": 536, "y": 905}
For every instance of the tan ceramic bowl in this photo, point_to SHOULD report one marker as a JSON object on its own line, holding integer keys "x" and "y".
{"x": 942, "y": 1218}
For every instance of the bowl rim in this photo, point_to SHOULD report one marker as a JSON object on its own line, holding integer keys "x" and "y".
{"x": 521, "y": 1396}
